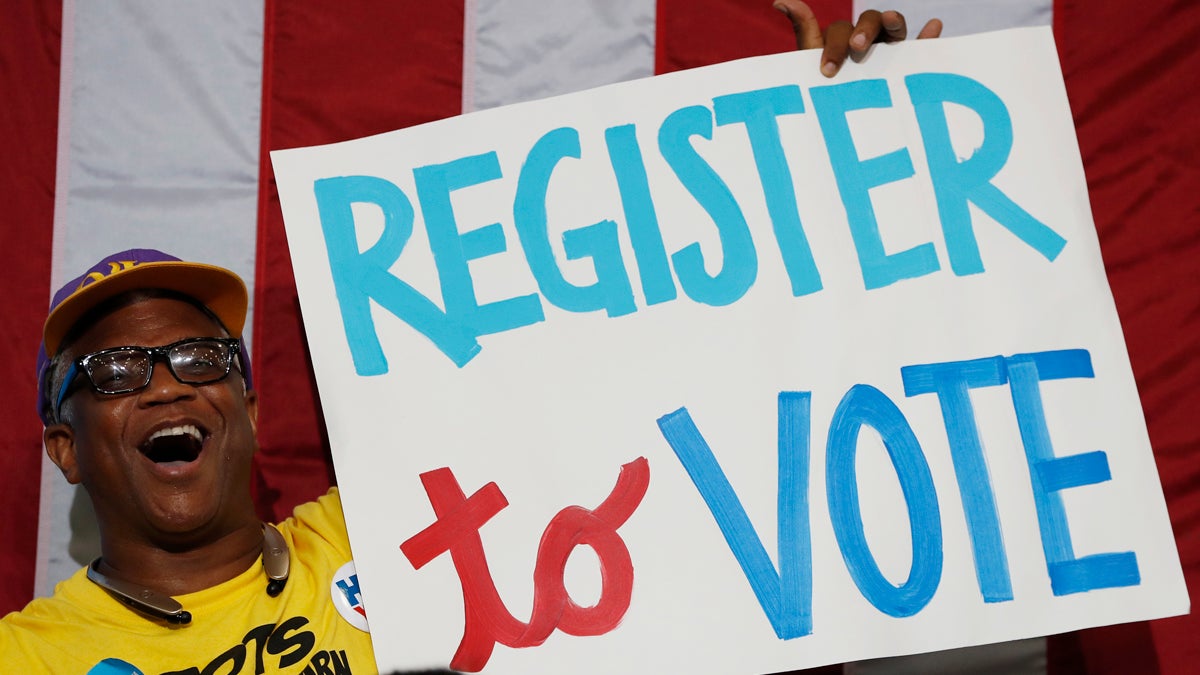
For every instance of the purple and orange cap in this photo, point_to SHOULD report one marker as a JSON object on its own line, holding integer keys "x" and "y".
{"x": 220, "y": 290}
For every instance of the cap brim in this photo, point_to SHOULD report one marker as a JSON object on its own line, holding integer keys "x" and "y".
{"x": 217, "y": 288}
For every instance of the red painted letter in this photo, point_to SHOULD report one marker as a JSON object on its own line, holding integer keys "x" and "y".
{"x": 488, "y": 621}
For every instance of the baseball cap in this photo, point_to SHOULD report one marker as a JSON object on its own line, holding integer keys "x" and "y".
{"x": 220, "y": 290}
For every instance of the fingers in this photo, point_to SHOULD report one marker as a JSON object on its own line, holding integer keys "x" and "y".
{"x": 844, "y": 39}
{"x": 837, "y": 46}
{"x": 866, "y": 31}
{"x": 894, "y": 26}
{"x": 932, "y": 29}
{"x": 804, "y": 23}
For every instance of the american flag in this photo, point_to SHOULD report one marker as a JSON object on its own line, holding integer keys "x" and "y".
{"x": 131, "y": 123}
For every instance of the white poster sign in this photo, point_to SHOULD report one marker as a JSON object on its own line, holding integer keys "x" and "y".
{"x": 734, "y": 370}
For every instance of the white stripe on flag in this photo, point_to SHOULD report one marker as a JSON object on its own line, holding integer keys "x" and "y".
{"x": 964, "y": 17}
{"x": 520, "y": 50}
{"x": 159, "y": 149}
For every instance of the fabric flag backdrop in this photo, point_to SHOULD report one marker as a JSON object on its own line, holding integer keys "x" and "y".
{"x": 137, "y": 123}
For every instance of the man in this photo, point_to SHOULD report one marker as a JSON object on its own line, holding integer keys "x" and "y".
{"x": 146, "y": 394}
{"x": 147, "y": 404}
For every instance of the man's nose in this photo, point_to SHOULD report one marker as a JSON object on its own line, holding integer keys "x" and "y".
{"x": 164, "y": 387}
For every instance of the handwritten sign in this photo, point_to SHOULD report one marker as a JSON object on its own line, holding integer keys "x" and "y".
{"x": 734, "y": 370}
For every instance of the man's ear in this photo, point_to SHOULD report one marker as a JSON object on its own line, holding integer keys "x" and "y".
{"x": 60, "y": 447}
{"x": 251, "y": 400}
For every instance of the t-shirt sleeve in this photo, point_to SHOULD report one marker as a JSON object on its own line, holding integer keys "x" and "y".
{"x": 319, "y": 523}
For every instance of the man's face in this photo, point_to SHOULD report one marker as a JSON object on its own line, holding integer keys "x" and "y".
{"x": 170, "y": 462}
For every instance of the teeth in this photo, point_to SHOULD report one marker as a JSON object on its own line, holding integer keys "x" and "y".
{"x": 184, "y": 430}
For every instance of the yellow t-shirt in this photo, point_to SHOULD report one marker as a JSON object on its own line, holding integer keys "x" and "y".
{"x": 236, "y": 627}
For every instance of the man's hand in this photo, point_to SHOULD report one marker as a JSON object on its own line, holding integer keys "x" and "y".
{"x": 843, "y": 38}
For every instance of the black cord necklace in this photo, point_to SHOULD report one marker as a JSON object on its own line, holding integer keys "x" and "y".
{"x": 276, "y": 561}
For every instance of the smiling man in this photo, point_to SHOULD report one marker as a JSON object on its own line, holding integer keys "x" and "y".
{"x": 148, "y": 404}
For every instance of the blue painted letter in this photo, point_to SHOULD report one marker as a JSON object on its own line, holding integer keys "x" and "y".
{"x": 866, "y": 405}
{"x": 758, "y": 110}
{"x": 359, "y": 278}
{"x": 640, "y": 218}
{"x": 452, "y": 249}
{"x": 598, "y": 241}
{"x": 740, "y": 265}
{"x": 952, "y": 382}
{"x": 856, "y": 177}
{"x": 1050, "y": 475}
{"x": 957, "y": 183}
{"x": 786, "y": 596}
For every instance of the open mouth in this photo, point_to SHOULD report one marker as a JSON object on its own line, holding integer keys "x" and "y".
{"x": 174, "y": 444}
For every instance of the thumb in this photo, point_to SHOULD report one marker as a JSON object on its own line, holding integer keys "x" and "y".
{"x": 804, "y": 23}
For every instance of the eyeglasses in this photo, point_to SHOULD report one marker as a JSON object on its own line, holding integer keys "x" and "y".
{"x": 121, "y": 370}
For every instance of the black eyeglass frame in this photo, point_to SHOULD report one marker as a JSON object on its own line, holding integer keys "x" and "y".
{"x": 156, "y": 354}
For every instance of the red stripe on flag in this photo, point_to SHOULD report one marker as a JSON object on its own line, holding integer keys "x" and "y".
{"x": 29, "y": 50}
{"x": 1135, "y": 106}
{"x": 692, "y": 33}
{"x": 333, "y": 72}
